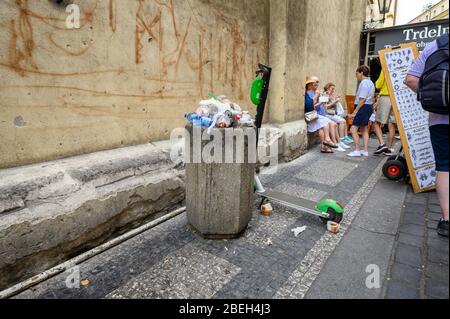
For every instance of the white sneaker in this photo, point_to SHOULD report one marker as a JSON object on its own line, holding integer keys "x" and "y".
{"x": 365, "y": 154}
{"x": 344, "y": 146}
{"x": 340, "y": 149}
{"x": 354, "y": 154}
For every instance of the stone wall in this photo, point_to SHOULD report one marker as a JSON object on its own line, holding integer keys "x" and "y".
{"x": 320, "y": 38}
{"x": 134, "y": 67}
{"x": 126, "y": 77}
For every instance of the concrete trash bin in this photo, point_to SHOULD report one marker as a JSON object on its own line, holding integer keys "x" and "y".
{"x": 219, "y": 194}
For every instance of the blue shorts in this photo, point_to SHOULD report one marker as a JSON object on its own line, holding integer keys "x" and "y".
{"x": 439, "y": 139}
{"x": 363, "y": 116}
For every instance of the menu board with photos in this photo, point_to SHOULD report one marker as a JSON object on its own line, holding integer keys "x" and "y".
{"x": 412, "y": 119}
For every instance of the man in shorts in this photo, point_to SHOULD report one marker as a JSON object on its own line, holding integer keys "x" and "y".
{"x": 363, "y": 111}
{"x": 384, "y": 116}
{"x": 439, "y": 129}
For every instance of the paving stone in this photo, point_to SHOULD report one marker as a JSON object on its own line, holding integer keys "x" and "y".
{"x": 180, "y": 275}
{"x": 319, "y": 171}
{"x": 432, "y": 233}
{"x": 411, "y": 240}
{"x": 414, "y": 218}
{"x": 439, "y": 244}
{"x": 412, "y": 229}
{"x": 438, "y": 255}
{"x": 408, "y": 255}
{"x": 433, "y": 199}
{"x": 311, "y": 194}
{"x": 416, "y": 199}
{"x": 434, "y": 219}
{"x": 437, "y": 289}
{"x": 263, "y": 228}
{"x": 415, "y": 208}
{"x": 437, "y": 271}
{"x": 435, "y": 209}
{"x": 400, "y": 290}
{"x": 406, "y": 274}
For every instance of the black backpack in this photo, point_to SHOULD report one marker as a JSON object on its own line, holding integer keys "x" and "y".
{"x": 433, "y": 90}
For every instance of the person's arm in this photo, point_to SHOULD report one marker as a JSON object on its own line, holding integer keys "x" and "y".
{"x": 362, "y": 101}
{"x": 412, "y": 82}
{"x": 363, "y": 96}
{"x": 380, "y": 82}
{"x": 317, "y": 104}
{"x": 415, "y": 72}
{"x": 332, "y": 104}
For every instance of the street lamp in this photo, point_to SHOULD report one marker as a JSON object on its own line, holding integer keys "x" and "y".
{"x": 384, "y": 6}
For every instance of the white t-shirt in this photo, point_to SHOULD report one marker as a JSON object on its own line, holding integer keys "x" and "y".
{"x": 366, "y": 91}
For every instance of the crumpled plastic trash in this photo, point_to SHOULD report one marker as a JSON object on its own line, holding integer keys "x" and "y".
{"x": 219, "y": 112}
{"x": 297, "y": 231}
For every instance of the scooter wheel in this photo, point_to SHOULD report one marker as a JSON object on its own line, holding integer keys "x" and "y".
{"x": 334, "y": 217}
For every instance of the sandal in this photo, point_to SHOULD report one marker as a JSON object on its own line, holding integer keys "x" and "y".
{"x": 330, "y": 145}
{"x": 326, "y": 151}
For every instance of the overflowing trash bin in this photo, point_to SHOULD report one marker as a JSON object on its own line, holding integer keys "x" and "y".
{"x": 219, "y": 187}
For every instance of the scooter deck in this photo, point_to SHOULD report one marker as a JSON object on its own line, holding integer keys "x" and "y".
{"x": 296, "y": 203}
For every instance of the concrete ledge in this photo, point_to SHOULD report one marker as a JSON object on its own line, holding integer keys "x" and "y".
{"x": 53, "y": 211}
{"x": 292, "y": 139}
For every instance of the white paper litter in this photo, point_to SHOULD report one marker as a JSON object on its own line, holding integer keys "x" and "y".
{"x": 297, "y": 231}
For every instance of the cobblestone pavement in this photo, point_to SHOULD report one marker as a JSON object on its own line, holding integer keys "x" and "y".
{"x": 419, "y": 266}
{"x": 268, "y": 261}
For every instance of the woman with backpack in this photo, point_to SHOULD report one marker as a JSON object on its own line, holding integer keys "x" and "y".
{"x": 428, "y": 77}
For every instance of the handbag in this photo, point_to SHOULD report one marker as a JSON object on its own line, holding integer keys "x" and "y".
{"x": 311, "y": 116}
{"x": 340, "y": 110}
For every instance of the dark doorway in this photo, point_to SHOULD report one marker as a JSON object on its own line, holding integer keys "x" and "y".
{"x": 375, "y": 68}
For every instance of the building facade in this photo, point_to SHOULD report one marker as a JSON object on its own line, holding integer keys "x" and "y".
{"x": 433, "y": 12}
{"x": 374, "y": 17}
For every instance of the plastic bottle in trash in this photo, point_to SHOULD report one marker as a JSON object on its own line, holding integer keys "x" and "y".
{"x": 223, "y": 121}
{"x": 206, "y": 121}
{"x": 197, "y": 120}
{"x": 192, "y": 117}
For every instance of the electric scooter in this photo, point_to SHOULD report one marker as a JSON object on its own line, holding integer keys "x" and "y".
{"x": 327, "y": 209}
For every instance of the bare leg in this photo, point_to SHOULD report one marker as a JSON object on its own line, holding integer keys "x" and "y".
{"x": 328, "y": 134}
{"x": 365, "y": 134}
{"x": 391, "y": 135}
{"x": 355, "y": 135}
{"x": 322, "y": 139}
{"x": 379, "y": 133}
{"x": 322, "y": 135}
{"x": 337, "y": 135}
{"x": 442, "y": 190}
{"x": 334, "y": 133}
{"x": 342, "y": 129}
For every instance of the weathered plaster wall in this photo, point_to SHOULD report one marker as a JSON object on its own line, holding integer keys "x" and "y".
{"x": 125, "y": 77}
{"x": 322, "y": 39}
{"x": 135, "y": 67}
